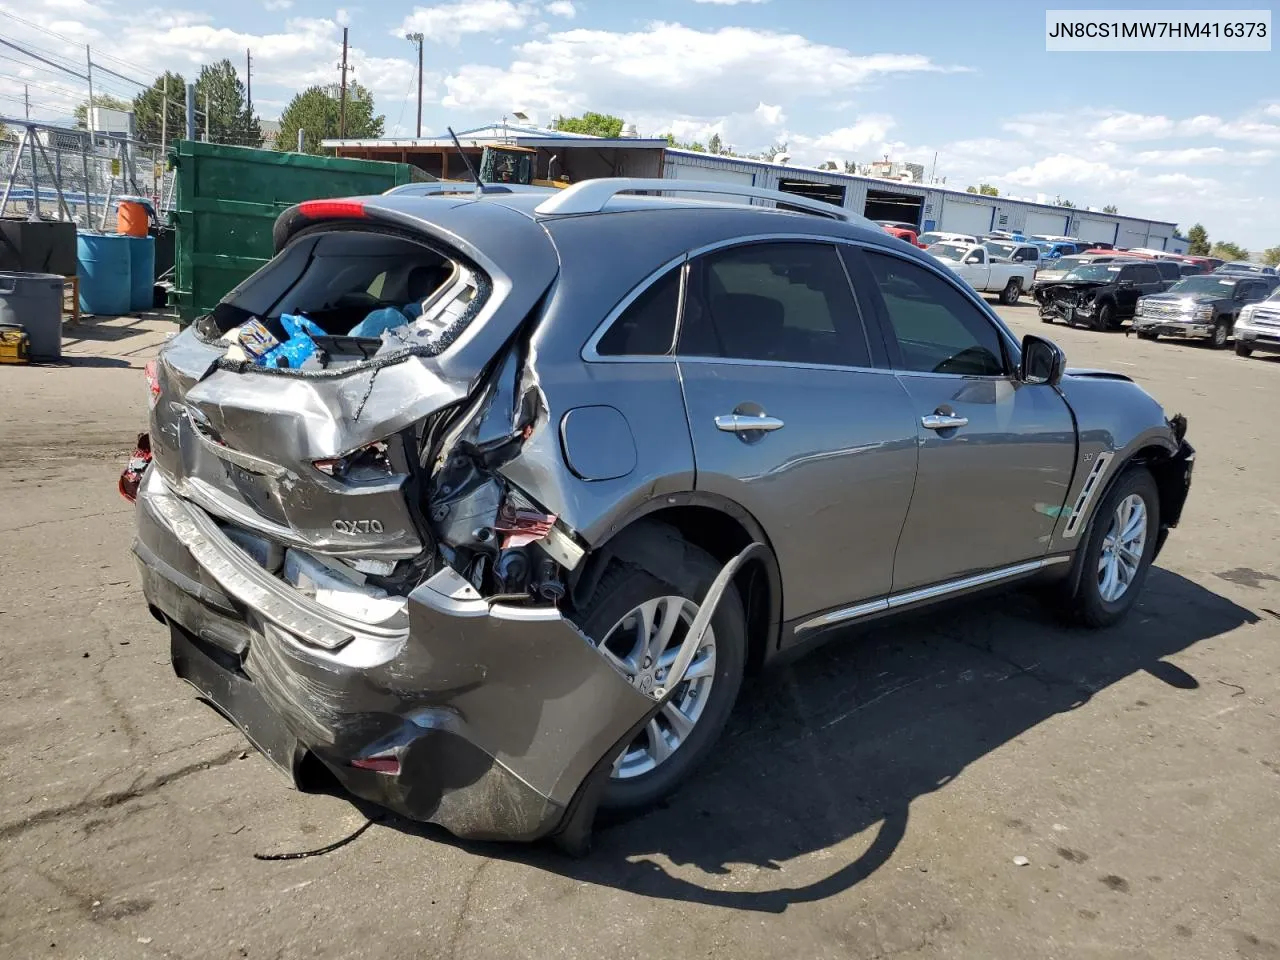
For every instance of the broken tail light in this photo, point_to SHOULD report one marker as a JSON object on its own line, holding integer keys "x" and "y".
{"x": 131, "y": 476}
{"x": 370, "y": 462}
{"x": 153, "y": 384}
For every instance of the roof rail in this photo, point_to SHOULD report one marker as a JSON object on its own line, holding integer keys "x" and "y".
{"x": 435, "y": 187}
{"x": 591, "y": 196}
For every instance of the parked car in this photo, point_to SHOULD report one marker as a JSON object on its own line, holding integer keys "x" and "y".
{"x": 935, "y": 236}
{"x": 1245, "y": 266}
{"x": 1191, "y": 269}
{"x": 1257, "y": 326}
{"x": 1100, "y": 295}
{"x": 1202, "y": 307}
{"x": 985, "y": 271}
{"x": 1053, "y": 250}
{"x": 902, "y": 232}
{"x": 509, "y": 559}
{"x": 1058, "y": 270}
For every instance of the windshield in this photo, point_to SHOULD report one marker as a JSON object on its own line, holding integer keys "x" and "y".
{"x": 928, "y": 238}
{"x": 1221, "y": 286}
{"x": 1070, "y": 263}
{"x": 948, "y": 251}
{"x": 998, "y": 249}
{"x": 1093, "y": 271}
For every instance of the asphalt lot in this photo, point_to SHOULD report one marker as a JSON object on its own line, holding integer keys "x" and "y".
{"x": 869, "y": 801}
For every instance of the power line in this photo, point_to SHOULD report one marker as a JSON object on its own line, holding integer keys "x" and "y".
{"x": 36, "y": 56}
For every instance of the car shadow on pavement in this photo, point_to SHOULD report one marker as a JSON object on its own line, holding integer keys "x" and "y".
{"x": 841, "y": 742}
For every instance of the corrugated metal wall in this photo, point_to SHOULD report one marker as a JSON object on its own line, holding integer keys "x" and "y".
{"x": 1008, "y": 214}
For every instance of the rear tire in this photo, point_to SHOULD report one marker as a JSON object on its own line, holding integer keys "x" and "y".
{"x": 1221, "y": 331}
{"x": 1011, "y": 292}
{"x": 1243, "y": 350}
{"x": 622, "y": 590}
{"x": 1109, "y": 552}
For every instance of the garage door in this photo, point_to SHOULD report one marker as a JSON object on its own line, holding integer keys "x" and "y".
{"x": 1103, "y": 231}
{"x": 714, "y": 175}
{"x": 959, "y": 216}
{"x": 1130, "y": 238}
{"x": 1156, "y": 243}
{"x": 1045, "y": 225}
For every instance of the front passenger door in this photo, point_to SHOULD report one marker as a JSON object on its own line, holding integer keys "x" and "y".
{"x": 996, "y": 454}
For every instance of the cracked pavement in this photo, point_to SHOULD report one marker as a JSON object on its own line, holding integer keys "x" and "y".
{"x": 868, "y": 801}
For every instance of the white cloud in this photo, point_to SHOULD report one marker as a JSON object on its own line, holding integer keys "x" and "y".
{"x": 720, "y": 72}
{"x": 1191, "y": 156}
{"x": 769, "y": 114}
{"x": 342, "y": 17}
{"x": 449, "y": 22}
{"x": 561, "y": 8}
{"x": 729, "y": 3}
{"x": 278, "y": 4}
{"x": 1272, "y": 110}
{"x": 1133, "y": 126}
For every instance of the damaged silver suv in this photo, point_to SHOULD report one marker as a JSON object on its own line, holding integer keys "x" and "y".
{"x": 485, "y": 504}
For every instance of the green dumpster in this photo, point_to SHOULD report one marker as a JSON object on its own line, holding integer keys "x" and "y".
{"x": 227, "y": 200}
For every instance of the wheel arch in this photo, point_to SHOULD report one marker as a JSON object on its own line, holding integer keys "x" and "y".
{"x": 647, "y": 535}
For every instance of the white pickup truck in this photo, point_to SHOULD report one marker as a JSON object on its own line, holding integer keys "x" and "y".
{"x": 998, "y": 266}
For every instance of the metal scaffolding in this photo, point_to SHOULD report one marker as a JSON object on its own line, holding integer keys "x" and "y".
{"x": 59, "y": 173}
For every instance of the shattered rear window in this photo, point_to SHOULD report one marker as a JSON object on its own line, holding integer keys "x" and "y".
{"x": 345, "y": 295}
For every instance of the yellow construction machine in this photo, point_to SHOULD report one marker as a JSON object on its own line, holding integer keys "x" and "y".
{"x": 508, "y": 163}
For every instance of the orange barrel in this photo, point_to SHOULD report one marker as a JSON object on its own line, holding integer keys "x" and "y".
{"x": 132, "y": 220}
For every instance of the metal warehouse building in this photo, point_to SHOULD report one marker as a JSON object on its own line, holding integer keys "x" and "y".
{"x": 929, "y": 207}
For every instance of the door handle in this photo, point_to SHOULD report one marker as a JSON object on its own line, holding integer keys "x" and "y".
{"x": 740, "y": 423}
{"x": 943, "y": 421}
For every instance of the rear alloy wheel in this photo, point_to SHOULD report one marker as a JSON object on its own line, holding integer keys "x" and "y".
{"x": 642, "y": 618}
{"x": 1243, "y": 349}
{"x": 1102, "y": 319}
{"x": 1220, "y": 334}
{"x": 1119, "y": 550}
{"x": 1011, "y": 292}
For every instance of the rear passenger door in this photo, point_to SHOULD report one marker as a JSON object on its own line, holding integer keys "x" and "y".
{"x": 795, "y": 417}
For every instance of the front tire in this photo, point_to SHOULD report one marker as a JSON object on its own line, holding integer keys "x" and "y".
{"x": 1148, "y": 335}
{"x": 1011, "y": 292}
{"x": 1243, "y": 350}
{"x": 631, "y": 601}
{"x": 1118, "y": 552}
{"x": 1102, "y": 320}
{"x": 1221, "y": 331}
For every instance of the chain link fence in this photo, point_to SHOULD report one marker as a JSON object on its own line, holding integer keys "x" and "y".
{"x": 56, "y": 173}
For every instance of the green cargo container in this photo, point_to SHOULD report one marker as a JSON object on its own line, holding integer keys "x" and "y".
{"x": 227, "y": 200}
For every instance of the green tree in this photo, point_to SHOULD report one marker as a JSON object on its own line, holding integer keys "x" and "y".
{"x": 220, "y": 92}
{"x": 714, "y": 144}
{"x": 850, "y": 166}
{"x": 1110, "y": 208}
{"x": 987, "y": 190}
{"x": 1066, "y": 203}
{"x": 1198, "y": 241}
{"x": 147, "y": 107}
{"x": 971, "y": 189}
{"x": 591, "y": 123}
{"x": 316, "y": 111}
{"x": 1226, "y": 250}
{"x": 1177, "y": 233}
{"x": 1271, "y": 256}
{"x": 102, "y": 100}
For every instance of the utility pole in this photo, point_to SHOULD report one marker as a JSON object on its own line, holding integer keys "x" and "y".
{"x": 164, "y": 117}
{"x": 301, "y": 131}
{"x": 248, "y": 81}
{"x": 26, "y": 101}
{"x": 417, "y": 38}
{"x": 342, "y": 104}
{"x": 93, "y": 139}
{"x": 191, "y": 111}
{"x": 206, "y": 116}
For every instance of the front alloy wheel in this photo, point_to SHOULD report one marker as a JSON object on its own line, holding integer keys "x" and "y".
{"x": 1220, "y": 333}
{"x": 1122, "y": 548}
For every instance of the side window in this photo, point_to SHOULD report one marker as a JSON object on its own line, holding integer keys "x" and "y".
{"x": 938, "y": 329}
{"x": 1148, "y": 273}
{"x": 647, "y": 327}
{"x": 781, "y": 302}
{"x": 1129, "y": 274}
{"x": 1026, "y": 253}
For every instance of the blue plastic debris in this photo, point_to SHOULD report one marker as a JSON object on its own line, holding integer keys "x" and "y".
{"x": 384, "y": 319}
{"x": 297, "y": 348}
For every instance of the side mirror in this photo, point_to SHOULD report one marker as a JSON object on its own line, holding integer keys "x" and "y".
{"x": 973, "y": 258}
{"x": 1042, "y": 361}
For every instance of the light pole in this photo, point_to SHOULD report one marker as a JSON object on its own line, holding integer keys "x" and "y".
{"x": 416, "y": 38}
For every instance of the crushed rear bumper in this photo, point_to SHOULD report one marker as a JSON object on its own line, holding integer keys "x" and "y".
{"x": 486, "y": 719}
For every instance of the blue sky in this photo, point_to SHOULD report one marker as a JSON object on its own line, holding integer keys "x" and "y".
{"x": 1181, "y": 137}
